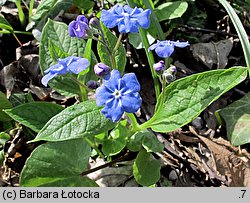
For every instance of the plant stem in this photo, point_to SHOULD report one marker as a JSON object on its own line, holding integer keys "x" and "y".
{"x": 150, "y": 61}
{"x": 16, "y": 32}
{"x": 17, "y": 39}
{"x": 20, "y": 13}
{"x": 117, "y": 43}
{"x": 134, "y": 123}
{"x": 83, "y": 87}
{"x": 31, "y": 8}
{"x": 123, "y": 158}
{"x": 149, "y": 4}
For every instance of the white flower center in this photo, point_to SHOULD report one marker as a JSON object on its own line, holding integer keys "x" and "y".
{"x": 117, "y": 94}
{"x": 125, "y": 14}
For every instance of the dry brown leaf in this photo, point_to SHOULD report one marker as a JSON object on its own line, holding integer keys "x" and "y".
{"x": 229, "y": 164}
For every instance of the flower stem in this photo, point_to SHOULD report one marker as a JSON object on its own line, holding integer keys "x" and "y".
{"x": 104, "y": 42}
{"x": 117, "y": 43}
{"x": 134, "y": 124}
{"x": 150, "y": 61}
{"x": 17, "y": 39}
{"x": 83, "y": 87}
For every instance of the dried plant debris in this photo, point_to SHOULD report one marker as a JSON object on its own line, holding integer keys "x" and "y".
{"x": 213, "y": 53}
{"x": 234, "y": 167}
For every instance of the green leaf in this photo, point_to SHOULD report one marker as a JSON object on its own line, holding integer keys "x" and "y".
{"x": 74, "y": 122}
{"x": 35, "y": 114}
{"x": 120, "y": 54}
{"x": 4, "y": 137}
{"x": 85, "y": 5}
{"x": 4, "y": 24}
{"x": 146, "y": 169}
{"x": 55, "y": 35}
{"x": 171, "y": 10}
{"x": 1, "y": 157}
{"x": 151, "y": 143}
{"x": 186, "y": 98}
{"x": 57, "y": 164}
{"x": 135, "y": 142}
{"x": 20, "y": 98}
{"x": 4, "y": 104}
{"x": 240, "y": 31}
{"x": 48, "y": 9}
{"x": 135, "y": 40}
{"x": 116, "y": 141}
{"x": 146, "y": 140}
{"x": 237, "y": 118}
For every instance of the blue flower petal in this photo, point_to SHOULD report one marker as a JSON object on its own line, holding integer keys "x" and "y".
{"x": 110, "y": 19}
{"x": 117, "y": 9}
{"x": 72, "y": 29}
{"x": 131, "y": 82}
{"x": 126, "y": 18}
{"x": 131, "y": 102}
{"x": 128, "y": 9}
{"x": 46, "y": 78}
{"x": 153, "y": 46}
{"x": 103, "y": 95}
{"x": 180, "y": 44}
{"x": 82, "y": 18}
{"x": 79, "y": 27}
{"x": 126, "y": 26}
{"x": 164, "y": 50}
{"x": 78, "y": 65}
{"x": 143, "y": 18}
{"x": 111, "y": 81}
{"x": 113, "y": 110}
{"x": 58, "y": 69}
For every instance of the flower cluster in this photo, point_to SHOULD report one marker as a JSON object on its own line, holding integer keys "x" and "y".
{"x": 165, "y": 48}
{"x": 119, "y": 95}
{"x": 71, "y": 64}
{"x": 126, "y": 18}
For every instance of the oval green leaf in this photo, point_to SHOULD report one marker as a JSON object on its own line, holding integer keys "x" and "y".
{"x": 171, "y": 10}
{"x": 146, "y": 169}
{"x": 35, "y": 114}
{"x": 76, "y": 121}
{"x": 186, "y": 98}
{"x": 57, "y": 164}
{"x": 237, "y": 118}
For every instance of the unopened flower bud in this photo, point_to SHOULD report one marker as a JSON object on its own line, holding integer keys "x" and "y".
{"x": 101, "y": 69}
{"x": 169, "y": 74}
{"x": 159, "y": 67}
{"x": 92, "y": 84}
{"x": 95, "y": 23}
{"x": 170, "y": 78}
{"x": 172, "y": 69}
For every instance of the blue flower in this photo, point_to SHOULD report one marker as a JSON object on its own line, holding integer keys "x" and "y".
{"x": 165, "y": 48}
{"x": 119, "y": 95}
{"x": 126, "y": 18}
{"x": 70, "y": 64}
{"x": 79, "y": 27}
